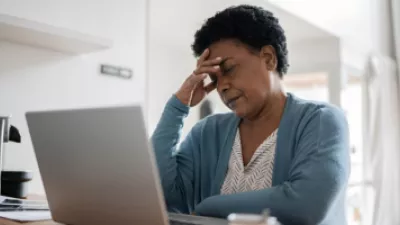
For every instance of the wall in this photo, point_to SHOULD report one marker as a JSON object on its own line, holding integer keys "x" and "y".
{"x": 35, "y": 79}
{"x": 363, "y": 24}
{"x": 170, "y": 56}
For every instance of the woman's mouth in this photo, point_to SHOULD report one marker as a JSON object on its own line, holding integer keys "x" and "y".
{"x": 231, "y": 103}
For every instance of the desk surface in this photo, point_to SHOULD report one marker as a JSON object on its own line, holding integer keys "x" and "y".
{"x": 9, "y": 222}
{"x": 31, "y": 197}
{"x": 46, "y": 222}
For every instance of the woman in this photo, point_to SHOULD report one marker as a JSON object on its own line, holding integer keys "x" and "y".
{"x": 275, "y": 151}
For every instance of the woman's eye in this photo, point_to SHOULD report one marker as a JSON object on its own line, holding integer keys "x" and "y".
{"x": 228, "y": 70}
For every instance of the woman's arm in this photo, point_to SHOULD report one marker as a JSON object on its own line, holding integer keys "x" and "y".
{"x": 318, "y": 176}
{"x": 175, "y": 165}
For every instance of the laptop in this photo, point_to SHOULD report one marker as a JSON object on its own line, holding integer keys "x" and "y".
{"x": 98, "y": 167}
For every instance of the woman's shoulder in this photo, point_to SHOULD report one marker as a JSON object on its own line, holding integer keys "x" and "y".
{"x": 305, "y": 112}
{"x": 304, "y": 107}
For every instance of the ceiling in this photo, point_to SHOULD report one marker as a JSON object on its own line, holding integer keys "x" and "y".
{"x": 177, "y": 20}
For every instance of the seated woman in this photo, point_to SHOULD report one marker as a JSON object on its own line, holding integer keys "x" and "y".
{"x": 275, "y": 151}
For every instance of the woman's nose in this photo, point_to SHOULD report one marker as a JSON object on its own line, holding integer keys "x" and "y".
{"x": 223, "y": 84}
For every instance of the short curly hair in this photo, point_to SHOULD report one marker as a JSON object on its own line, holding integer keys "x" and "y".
{"x": 251, "y": 25}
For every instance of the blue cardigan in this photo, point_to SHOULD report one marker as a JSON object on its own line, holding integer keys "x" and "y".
{"x": 311, "y": 168}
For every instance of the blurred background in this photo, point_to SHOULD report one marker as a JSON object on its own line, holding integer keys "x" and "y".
{"x": 345, "y": 52}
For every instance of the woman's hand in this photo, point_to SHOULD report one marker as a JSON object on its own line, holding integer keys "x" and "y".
{"x": 193, "y": 90}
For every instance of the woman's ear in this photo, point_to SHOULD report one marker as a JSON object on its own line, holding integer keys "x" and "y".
{"x": 268, "y": 54}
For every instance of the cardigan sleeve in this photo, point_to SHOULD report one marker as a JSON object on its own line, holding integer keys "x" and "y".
{"x": 175, "y": 163}
{"x": 318, "y": 176}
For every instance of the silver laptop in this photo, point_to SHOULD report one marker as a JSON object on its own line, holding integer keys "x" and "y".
{"x": 98, "y": 167}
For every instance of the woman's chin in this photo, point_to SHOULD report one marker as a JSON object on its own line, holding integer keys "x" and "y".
{"x": 239, "y": 112}
{"x": 239, "y": 108}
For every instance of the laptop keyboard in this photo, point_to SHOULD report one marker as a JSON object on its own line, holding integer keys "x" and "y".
{"x": 182, "y": 219}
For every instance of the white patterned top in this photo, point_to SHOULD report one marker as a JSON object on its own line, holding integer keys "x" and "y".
{"x": 258, "y": 172}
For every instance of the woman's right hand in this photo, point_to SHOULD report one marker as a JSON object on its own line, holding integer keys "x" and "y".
{"x": 193, "y": 90}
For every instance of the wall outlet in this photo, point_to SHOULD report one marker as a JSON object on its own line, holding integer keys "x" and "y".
{"x": 117, "y": 71}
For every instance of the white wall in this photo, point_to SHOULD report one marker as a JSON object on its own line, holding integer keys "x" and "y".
{"x": 170, "y": 56}
{"x": 360, "y": 23}
{"x": 35, "y": 79}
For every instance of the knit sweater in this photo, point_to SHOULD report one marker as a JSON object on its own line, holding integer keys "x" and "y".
{"x": 311, "y": 164}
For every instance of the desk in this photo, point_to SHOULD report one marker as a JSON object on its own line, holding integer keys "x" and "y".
{"x": 9, "y": 222}
{"x": 46, "y": 222}
{"x": 31, "y": 197}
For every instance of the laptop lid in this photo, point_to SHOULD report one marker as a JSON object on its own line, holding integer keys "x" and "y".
{"x": 97, "y": 166}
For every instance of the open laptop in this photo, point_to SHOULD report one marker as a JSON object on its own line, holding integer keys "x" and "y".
{"x": 98, "y": 167}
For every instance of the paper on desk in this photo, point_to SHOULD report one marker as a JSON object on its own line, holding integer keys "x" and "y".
{"x": 26, "y": 216}
{"x": 9, "y": 200}
{"x": 23, "y": 210}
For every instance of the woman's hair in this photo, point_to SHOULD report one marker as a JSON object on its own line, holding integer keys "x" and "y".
{"x": 251, "y": 25}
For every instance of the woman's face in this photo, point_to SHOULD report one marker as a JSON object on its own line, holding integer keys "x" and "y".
{"x": 246, "y": 77}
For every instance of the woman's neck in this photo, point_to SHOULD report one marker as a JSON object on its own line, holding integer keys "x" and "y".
{"x": 270, "y": 115}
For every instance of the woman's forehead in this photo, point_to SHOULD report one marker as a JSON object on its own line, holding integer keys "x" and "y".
{"x": 227, "y": 49}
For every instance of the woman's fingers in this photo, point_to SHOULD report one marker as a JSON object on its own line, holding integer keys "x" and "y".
{"x": 210, "y": 87}
{"x": 203, "y": 57}
{"x": 202, "y": 72}
{"x": 207, "y": 69}
{"x": 193, "y": 90}
{"x": 197, "y": 80}
{"x": 212, "y": 62}
{"x": 204, "y": 61}
{"x": 194, "y": 79}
